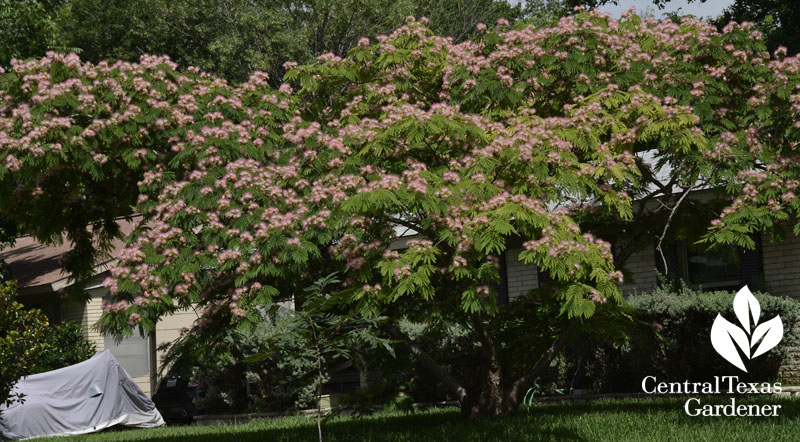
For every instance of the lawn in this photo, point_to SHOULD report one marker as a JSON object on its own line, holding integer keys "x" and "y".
{"x": 660, "y": 419}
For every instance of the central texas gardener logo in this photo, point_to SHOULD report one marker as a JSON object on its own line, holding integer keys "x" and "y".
{"x": 732, "y": 341}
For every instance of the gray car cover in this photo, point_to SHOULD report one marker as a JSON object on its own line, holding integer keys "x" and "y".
{"x": 82, "y": 398}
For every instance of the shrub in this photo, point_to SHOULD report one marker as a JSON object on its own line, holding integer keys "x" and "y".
{"x": 672, "y": 340}
{"x": 22, "y": 341}
{"x": 235, "y": 379}
{"x": 65, "y": 345}
{"x": 523, "y": 327}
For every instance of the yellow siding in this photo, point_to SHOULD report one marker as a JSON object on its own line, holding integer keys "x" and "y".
{"x": 144, "y": 383}
{"x": 86, "y": 315}
{"x": 168, "y": 329}
{"x": 94, "y": 309}
{"x": 74, "y": 312}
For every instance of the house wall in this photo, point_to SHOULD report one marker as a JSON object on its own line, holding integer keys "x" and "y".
{"x": 781, "y": 266}
{"x": 640, "y": 273}
{"x": 86, "y": 315}
{"x": 44, "y": 302}
{"x": 144, "y": 383}
{"x": 521, "y": 277}
{"x": 168, "y": 329}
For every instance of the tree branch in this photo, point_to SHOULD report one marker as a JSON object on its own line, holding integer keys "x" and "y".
{"x": 667, "y": 224}
{"x": 488, "y": 346}
{"x": 431, "y": 365}
{"x": 407, "y": 224}
{"x": 524, "y": 382}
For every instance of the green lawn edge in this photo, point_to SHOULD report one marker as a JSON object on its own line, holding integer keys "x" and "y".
{"x": 640, "y": 419}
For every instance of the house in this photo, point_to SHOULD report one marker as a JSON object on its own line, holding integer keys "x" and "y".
{"x": 37, "y": 269}
{"x": 772, "y": 267}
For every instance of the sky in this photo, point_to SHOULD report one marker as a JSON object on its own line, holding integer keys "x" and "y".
{"x": 711, "y": 8}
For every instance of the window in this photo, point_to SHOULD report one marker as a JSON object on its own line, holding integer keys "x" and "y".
{"x": 502, "y": 287}
{"x": 724, "y": 267}
{"x": 132, "y": 353}
{"x": 716, "y": 268}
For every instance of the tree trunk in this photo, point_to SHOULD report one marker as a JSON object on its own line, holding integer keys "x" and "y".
{"x": 490, "y": 392}
{"x": 488, "y": 395}
{"x": 489, "y": 398}
{"x": 496, "y": 396}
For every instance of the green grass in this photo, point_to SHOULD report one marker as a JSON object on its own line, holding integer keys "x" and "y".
{"x": 660, "y": 419}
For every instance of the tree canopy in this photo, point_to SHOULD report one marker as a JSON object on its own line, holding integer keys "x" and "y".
{"x": 250, "y": 193}
{"x": 778, "y": 19}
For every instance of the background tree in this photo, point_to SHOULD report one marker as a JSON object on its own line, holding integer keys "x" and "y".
{"x": 233, "y": 38}
{"x": 459, "y": 18}
{"x": 545, "y": 12}
{"x": 228, "y": 38}
{"x": 22, "y": 341}
{"x": 27, "y": 29}
{"x": 778, "y": 19}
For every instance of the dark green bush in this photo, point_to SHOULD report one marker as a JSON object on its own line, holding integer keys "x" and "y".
{"x": 269, "y": 367}
{"x": 665, "y": 333}
{"x": 65, "y": 344}
{"x": 522, "y": 330}
{"x": 21, "y": 341}
{"x": 672, "y": 339}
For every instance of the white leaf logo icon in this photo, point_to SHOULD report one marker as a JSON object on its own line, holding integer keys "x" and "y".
{"x": 726, "y": 336}
{"x": 746, "y": 305}
{"x": 723, "y": 335}
{"x": 772, "y": 331}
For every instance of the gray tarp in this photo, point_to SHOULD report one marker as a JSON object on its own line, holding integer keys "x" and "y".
{"x": 82, "y": 398}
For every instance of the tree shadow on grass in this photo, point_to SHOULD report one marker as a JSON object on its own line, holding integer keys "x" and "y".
{"x": 438, "y": 426}
{"x": 544, "y": 422}
{"x": 671, "y": 410}
{"x": 671, "y": 404}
